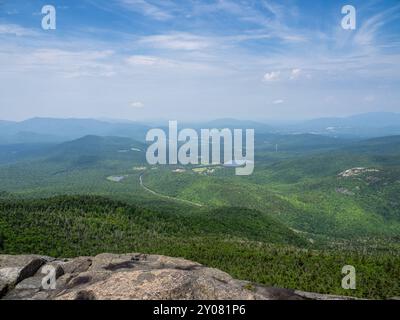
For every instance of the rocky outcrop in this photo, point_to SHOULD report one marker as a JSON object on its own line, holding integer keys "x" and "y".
{"x": 14, "y": 269}
{"x": 126, "y": 277}
{"x": 356, "y": 172}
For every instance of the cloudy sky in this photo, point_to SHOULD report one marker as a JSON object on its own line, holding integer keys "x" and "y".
{"x": 198, "y": 59}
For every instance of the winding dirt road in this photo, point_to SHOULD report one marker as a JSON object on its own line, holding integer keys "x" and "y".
{"x": 165, "y": 196}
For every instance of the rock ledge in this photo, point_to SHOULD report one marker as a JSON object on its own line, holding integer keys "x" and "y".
{"x": 129, "y": 277}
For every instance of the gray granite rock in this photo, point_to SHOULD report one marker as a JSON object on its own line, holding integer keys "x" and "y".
{"x": 131, "y": 276}
{"x": 14, "y": 269}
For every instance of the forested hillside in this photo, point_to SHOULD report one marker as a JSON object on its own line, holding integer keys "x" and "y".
{"x": 304, "y": 213}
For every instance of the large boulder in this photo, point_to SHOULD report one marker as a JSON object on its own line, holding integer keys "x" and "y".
{"x": 149, "y": 277}
{"x": 14, "y": 269}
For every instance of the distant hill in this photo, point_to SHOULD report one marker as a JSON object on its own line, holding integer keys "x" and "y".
{"x": 92, "y": 143}
{"x": 389, "y": 145}
{"x": 383, "y": 151}
{"x": 363, "y": 125}
{"x": 236, "y": 124}
{"x": 368, "y": 120}
{"x": 57, "y": 130}
{"x": 297, "y": 142}
{"x": 87, "y": 149}
{"x": 26, "y": 137}
{"x": 11, "y": 153}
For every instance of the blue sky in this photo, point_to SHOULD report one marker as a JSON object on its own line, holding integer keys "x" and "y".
{"x": 198, "y": 59}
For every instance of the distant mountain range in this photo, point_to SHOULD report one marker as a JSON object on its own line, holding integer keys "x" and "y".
{"x": 51, "y": 130}
{"x": 374, "y": 124}
{"x": 40, "y": 130}
{"x": 370, "y": 120}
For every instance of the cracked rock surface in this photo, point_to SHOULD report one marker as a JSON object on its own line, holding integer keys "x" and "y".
{"x": 129, "y": 276}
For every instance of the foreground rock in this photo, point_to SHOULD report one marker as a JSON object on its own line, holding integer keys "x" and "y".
{"x": 126, "y": 277}
{"x": 14, "y": 269}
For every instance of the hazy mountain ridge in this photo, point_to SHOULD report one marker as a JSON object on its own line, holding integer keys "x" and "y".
{"x": 58, "y": 130}
{"x": 375, "y": 124}
{"x": 371, "y": 120}
{"x": 37, "y": 130}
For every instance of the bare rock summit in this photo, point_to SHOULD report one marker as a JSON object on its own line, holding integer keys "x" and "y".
{"x": 126, "y": 277}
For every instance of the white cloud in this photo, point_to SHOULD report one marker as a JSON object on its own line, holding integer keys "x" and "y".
{"x": 368, "y": 32}
{"x": 147, "y": 9}
{"x": 142, "y": 60}
{"x": 13, "y": 29}
{"x": 215, "y": 65}
{"x": 137, "y": 104}
{"x": 275, "y": 25}
{"x": 272, "y": 76}
{"x": 166, "y": 64}
{"x": 68, "y": 64}
{"x": 295, "y": 74}
{"x": 50, "y": 56}
{"x": 177, "y": 41}
{"x": 148, "y": 61}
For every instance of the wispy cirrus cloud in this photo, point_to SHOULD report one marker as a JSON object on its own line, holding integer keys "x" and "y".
{"x": 146, "y": 8}
{"x": 177, "y": 41}
{"x": 368, "y": 32}
{"x": 272, "y": 19}
{"x": 148, "y": 61}
{"x": 215, "y": 55}
{"x": 16, "y": 30}
{"x": 64, "y": 63}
